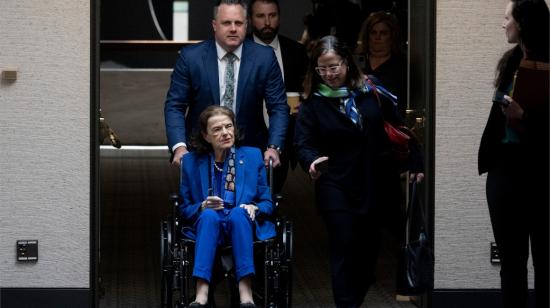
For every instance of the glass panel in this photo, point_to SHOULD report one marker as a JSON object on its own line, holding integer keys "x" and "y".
{"x": 181, "y": 21}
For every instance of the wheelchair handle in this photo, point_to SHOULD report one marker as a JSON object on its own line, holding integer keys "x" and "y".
{"x": 270, "y": 172}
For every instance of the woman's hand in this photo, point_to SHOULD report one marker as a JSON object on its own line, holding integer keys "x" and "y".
{"x": 314, "y": 173}
{"x": 212, "y": 202}
{"x": 418, "y": 177}
{"x": 251, "y": 209}
{"x": 513, "y": 111}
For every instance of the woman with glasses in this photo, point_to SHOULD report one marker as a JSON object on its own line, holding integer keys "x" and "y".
{"x": 341, "y": 142}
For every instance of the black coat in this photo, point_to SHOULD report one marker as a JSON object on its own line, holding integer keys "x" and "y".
{"x": 392, "y": 74}
{"x": 358, "y": 159}
{"x": 534, "y": 138}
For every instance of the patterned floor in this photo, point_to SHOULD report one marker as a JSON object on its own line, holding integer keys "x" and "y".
{"x": 134, "y": 193}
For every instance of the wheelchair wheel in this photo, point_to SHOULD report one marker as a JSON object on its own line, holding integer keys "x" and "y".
{"x": 278, "y": 268}
{"x": 184, "y": 260}
{"x": 286, "y": 268}
{"x": 166, "y": 266}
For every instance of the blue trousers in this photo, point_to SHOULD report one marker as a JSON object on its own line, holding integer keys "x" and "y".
{"x": 227, "y": 226}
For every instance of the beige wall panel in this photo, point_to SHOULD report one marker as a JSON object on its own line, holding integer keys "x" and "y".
{"x": 45, "y": 142}
{"x": 469, "y": 43}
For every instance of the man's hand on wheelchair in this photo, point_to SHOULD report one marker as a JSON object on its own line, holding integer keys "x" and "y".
{"x": 272, "y": 154}
{"x": 251, "y": 209}
{"x": 178, "y": 154}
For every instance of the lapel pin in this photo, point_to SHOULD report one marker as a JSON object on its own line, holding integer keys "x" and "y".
{"x": 241, "y": 162}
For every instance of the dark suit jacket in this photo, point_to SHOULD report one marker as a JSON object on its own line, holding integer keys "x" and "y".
{"x": 295, "y": 62}
{"x": 251, "y": 187}
{"x": 195, "y": 86}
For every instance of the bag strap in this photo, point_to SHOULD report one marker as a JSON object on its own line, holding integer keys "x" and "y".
{"x": 375, "y": 90}
{"x": 413, "y": 202}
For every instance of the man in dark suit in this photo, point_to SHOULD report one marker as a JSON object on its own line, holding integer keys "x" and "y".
{"x": 231, "y": 72}
{"x": 292, "y": 59}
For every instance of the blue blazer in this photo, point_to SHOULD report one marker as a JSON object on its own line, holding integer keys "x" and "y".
{"x": 251, "y": 188}
{"x": 195, "y": 86}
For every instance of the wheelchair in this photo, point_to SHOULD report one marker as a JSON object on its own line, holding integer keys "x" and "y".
{"x": 272, "y": 259}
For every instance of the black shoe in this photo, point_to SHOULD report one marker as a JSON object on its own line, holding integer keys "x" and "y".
{"x": 197, "y": 305}
{"x": 247, "y": 305}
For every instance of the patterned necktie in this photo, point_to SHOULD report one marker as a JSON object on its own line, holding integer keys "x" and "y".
{"x": 227, "y": 99}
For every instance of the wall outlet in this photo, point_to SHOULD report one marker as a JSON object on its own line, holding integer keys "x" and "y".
{"x": 27, "y": 250}
{"x": 9, "y": 73}
{"x": 495, "y": 254}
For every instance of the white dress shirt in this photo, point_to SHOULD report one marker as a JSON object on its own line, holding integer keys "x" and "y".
{"x": 276, "y": 47}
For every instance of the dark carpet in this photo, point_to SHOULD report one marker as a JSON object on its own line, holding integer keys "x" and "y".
{"x": 135, "y": 186}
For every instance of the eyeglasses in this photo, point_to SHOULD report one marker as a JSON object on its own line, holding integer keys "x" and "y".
{"x": 332, "y": 69}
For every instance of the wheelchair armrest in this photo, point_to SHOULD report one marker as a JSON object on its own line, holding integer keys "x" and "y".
{"x": 174, "y": 198}
{"x": 277, "y": 198}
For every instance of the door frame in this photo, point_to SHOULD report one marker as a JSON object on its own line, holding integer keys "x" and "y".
{"x": 94, "y": 153}
{"x": 421, "y": 52}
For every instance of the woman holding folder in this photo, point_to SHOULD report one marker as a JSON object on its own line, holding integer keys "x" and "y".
{"x": 514, "y": 153}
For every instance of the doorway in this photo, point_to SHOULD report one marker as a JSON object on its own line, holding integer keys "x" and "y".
{"x": 136, "y": 180}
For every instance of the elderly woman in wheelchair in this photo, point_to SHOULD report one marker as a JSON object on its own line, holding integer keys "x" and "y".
{"x": 225, "y": 200}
